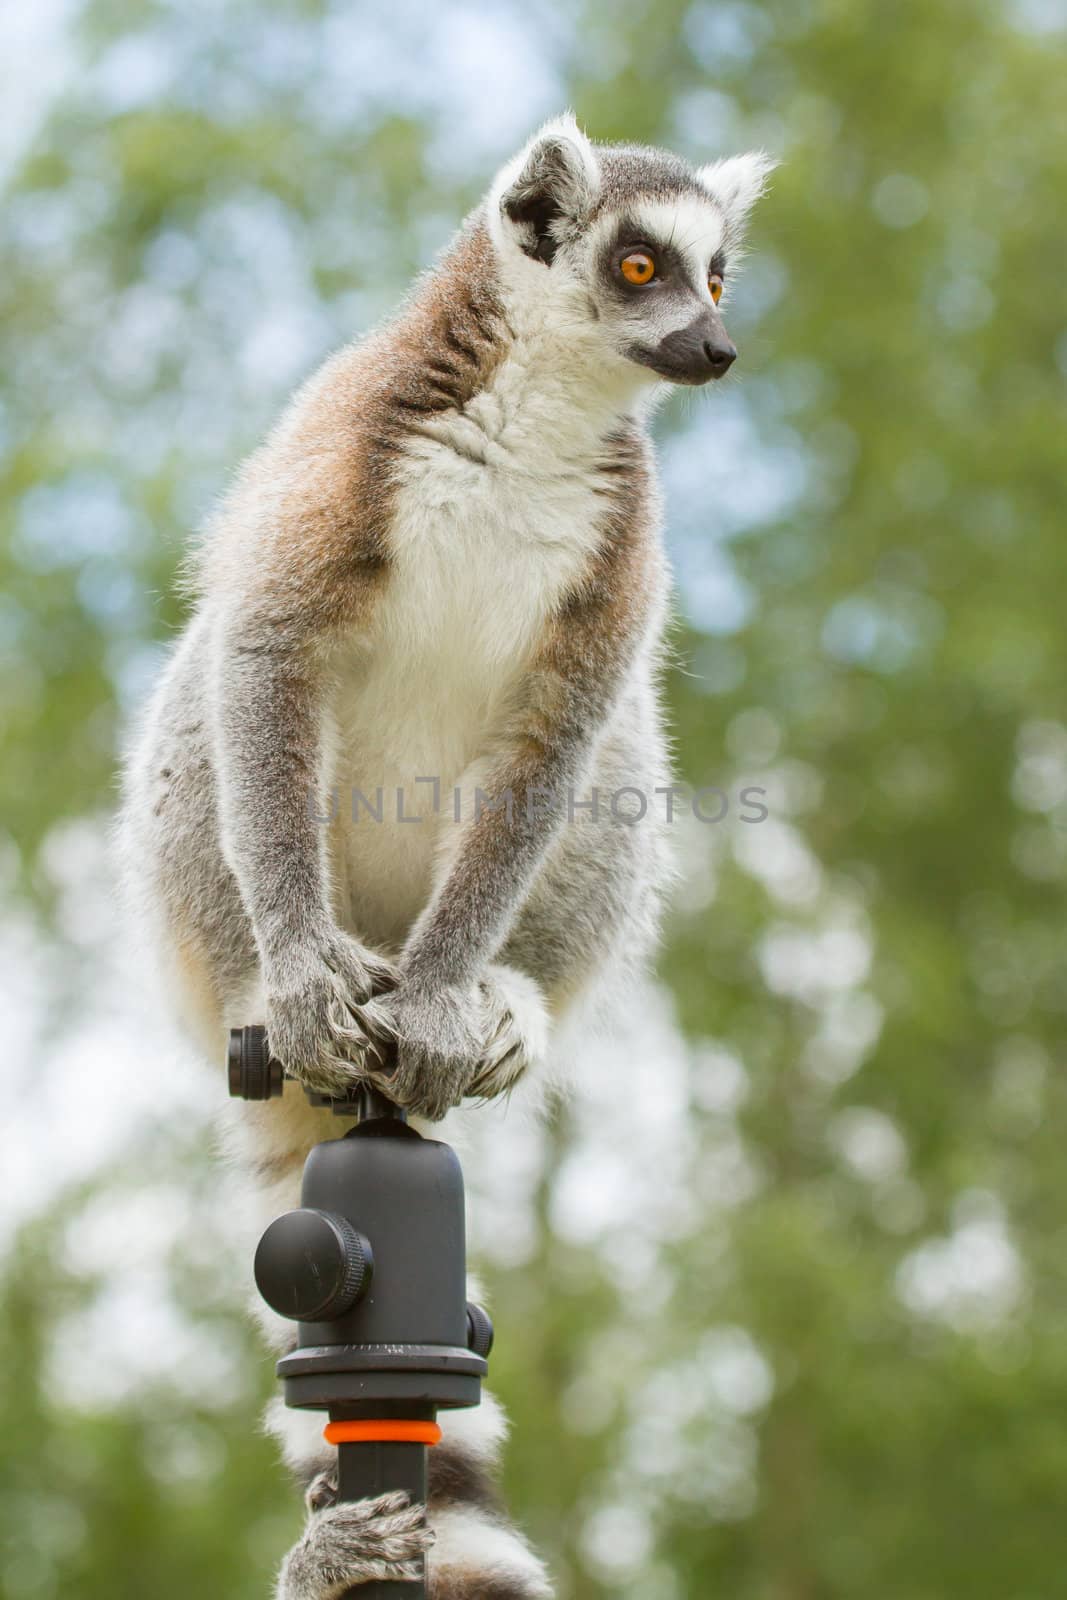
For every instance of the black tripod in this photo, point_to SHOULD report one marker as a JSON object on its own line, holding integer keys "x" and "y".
{"x": 372, "y": 1268}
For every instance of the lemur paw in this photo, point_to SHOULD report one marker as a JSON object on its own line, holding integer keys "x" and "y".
{"x": 315, "y": 1022}
{"x": 516, "y": 1031}
{"x": 437, "y": 1033}
{"x": 357, "y": 1541}
{"x": 456, "y": 1040}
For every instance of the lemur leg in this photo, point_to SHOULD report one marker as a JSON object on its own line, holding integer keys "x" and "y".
{"x": 353, "y": 1543}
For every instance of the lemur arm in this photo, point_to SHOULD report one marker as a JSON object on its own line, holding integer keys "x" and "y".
{"x": 540, "y": 751}
{"x": 267, "y": 699}
{"x": 290, "y": 569}
{"x": 291, "y": 573}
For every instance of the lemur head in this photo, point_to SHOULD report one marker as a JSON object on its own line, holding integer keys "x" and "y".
{"x": 624, "y": 250}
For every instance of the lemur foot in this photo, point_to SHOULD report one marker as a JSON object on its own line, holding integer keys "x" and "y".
{"x": 353, "y": 1542}
{"x": 454, "y": 1040}
{"x": 315, "y": 1022}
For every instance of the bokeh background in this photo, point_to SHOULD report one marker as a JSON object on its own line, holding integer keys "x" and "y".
{"x": 782, "y": 1291}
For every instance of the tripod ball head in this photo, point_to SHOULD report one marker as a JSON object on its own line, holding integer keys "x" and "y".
{"x": 372, "y": 1268}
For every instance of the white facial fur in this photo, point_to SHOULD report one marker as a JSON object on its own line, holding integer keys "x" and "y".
{"x": 549, "y": 308}
{"x": 693, "y": 227}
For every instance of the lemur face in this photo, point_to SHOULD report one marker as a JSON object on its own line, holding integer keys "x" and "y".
{"x": 658, "y": 276}
{"x": 626, "y": 249}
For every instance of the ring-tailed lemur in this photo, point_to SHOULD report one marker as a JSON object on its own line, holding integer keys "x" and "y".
{"x": 441, "y": 578}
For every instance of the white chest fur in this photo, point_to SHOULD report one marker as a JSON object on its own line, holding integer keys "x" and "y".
{"x": 496, "y": 516}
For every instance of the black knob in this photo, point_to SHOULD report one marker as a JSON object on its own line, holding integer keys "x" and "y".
{"x": 312, "y": 1266}
{"x": 479, "y": 1330}
{"x": 253, "y": 1072}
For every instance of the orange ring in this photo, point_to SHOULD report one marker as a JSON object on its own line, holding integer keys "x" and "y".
{"x": 388, "y": 1430}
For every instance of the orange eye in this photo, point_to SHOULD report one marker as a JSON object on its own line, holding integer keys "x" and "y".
{"x": 715, "y": 285}
{"x": 638, "y": 267}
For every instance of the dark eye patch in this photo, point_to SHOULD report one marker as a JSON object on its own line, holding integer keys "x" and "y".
{"x": 629, "y": 236}
{"x": 672, "y": 270}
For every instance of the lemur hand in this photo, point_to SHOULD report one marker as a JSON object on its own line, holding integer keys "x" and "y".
{"x": 315, "y": 1023}
{"x": 455, "y": 1040}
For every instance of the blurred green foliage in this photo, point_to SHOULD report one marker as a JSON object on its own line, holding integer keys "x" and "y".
{"x": 844, "y": 1368}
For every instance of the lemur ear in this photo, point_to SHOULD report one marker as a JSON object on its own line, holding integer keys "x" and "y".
{"x": 546, "y": 190}
{"x": 737, "y": 183}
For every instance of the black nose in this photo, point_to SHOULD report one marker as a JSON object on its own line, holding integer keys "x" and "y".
{"x": 695, "y": 354}
{"x": 721, "y": 356}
